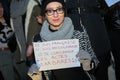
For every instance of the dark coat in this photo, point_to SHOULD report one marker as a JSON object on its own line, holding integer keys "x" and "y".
{"x": 93, "y": 23}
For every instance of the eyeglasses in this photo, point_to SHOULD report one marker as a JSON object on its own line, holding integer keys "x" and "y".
{"x": 50, "y": 12}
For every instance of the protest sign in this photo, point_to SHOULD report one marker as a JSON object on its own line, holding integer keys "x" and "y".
{"x": 56, "y": 54}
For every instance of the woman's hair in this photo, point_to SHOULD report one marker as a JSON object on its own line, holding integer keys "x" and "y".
{"x": 6, "y": 15}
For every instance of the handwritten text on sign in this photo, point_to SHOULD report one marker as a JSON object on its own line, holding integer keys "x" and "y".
{"x": 56, "y": 54}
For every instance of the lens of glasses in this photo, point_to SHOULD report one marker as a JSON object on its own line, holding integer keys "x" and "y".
{"x": 51, "y": 11}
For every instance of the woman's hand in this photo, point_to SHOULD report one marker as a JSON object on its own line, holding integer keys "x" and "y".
{"x": 85, "y": 60}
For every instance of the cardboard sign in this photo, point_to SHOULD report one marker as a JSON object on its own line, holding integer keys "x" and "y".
{"x": 111, "y": 2}
{"x": 56, "y": 54}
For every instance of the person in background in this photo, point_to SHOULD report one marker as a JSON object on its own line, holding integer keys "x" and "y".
{"x": 7, "y": 46}
{"x": 88, "y": 11}
{"x": 24, "y": 15}
{"x": 32, "y": 26}
{"x": 112, "y": 20}
{"x": 57, "y": 27}
{"x": 6, "y": 5}
{"x": 17, "y": 12}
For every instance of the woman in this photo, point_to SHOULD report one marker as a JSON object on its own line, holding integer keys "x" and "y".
{"x": 6, "y": 59}
{"x": 57, "y": 27}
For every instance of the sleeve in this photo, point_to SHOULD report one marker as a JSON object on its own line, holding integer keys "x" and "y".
{"x": 85, "y": 45}
{"x": 88, "y": 48}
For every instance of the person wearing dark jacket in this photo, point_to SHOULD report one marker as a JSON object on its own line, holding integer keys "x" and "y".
{"x": 7, "y": 46}
{"x": 58, "y": 27}
{"x": 91, "y": 18}
{"x": 112, "y": 20}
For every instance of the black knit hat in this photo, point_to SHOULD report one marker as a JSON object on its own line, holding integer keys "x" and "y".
{"x": 46, "y": 2}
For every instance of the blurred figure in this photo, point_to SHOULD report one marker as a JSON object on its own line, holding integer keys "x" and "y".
{"x": 6, "y": 6}
{"x": 32, "y": 26}
{"x": 112, "y": 20}
{"x": 88, "y": 10}
{"x": 24, "y": 15}
{"x": 17, "y": 12}
{"x": 7, "y": 46}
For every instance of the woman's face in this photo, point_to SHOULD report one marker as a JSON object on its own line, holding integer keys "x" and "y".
{"x": 55, "y": 15}
{"x": 1, "y": 10}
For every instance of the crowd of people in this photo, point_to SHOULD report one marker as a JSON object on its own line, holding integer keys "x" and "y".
{"x": 92, "y": 22}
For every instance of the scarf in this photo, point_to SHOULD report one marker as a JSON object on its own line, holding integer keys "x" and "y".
{"x": 65, "y": 32}
{"x": 17, "y": 9}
